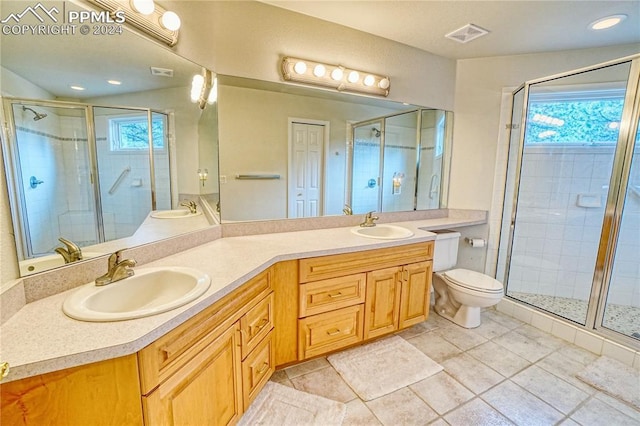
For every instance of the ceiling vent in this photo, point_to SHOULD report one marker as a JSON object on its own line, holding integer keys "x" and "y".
{"x": 467, "y": 33}
{"x": 161, "y": 72}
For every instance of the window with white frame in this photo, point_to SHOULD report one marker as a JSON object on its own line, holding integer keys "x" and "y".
{"x": 584, "y": 117}
{"x": 131, "y": 133}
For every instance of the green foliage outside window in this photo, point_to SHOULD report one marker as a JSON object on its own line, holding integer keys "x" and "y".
{"x": 132, "y": 133}
{"x": 574, "y": 121}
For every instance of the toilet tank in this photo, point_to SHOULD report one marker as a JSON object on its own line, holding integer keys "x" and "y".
{"x": 446, "y": 250}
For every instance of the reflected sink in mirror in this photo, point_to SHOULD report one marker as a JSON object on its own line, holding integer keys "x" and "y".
{"x": 149, "y": 292}
{"x": 174, "y": 214}
{"x": 383, "y": 232}
{"x": 44, "y": 263}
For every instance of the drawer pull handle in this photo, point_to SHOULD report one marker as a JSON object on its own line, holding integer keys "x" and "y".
{"x": 263, "y": 368}
{"x": 260, "y": 326}
{"x": 333, "y": 295}
{"x": 333, "y": 332}
{"x": 4, "y": 369}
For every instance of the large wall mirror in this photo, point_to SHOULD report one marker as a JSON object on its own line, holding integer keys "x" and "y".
{"x": 280, "y": 150}
{"x": 288, "y": 151}
{"x": 79, "y": 163}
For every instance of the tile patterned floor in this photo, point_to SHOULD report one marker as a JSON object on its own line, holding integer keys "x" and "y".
{"x": 504, "y": 372}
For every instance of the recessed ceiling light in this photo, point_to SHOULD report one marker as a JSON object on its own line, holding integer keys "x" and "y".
{"x": 79, "y": 88}
{"x": 114, "y": 82}
{"x": 607, "y": 22}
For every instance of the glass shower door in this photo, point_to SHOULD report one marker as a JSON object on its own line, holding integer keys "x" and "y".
{"x": 400, "y": 162}
{"x": 570, "y": 140}
{"x": 365, "y": 184}
{"x": 123, "y": 154}
{"x": 51, "y": 160}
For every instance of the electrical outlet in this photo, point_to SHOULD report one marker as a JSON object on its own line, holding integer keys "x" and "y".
{"x": 223, "y": 179}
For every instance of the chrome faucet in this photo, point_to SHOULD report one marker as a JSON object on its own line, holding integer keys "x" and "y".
{"x": 71, "y": 253}
{"x": 191, "y": 205}
{"x": 369, "y": 220}
{"x": 118, "y": 269}
{"x": 347, "y": 210}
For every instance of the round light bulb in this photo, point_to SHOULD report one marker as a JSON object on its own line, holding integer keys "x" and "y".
{"x": 353, "y": 76}
{"x": 146, "y": 7}
{"x": 170, "y": 20}
{"x": 300, "y": 67}
{"x": 369, "y": 80}
{"x": 319, "y": 70}
{"x": 196, "y": 87}
{"x": 337, "y": 74}
{"x": 384, "y": 83}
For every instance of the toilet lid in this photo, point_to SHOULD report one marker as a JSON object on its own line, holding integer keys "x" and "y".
{"x": 474, "y": 280}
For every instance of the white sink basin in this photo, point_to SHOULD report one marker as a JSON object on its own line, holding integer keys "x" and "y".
{"x": 174, "y": 214}
{"x": 149, "y": 292}
{"x": 383, "y": 232}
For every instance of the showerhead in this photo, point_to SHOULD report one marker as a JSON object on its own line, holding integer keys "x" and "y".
{"x": 37, "y": 115}
{"x": 375, "y": 132}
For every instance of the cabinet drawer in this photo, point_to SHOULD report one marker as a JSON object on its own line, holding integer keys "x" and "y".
{"x": 165, "y": 356}
{"x": 256, "y": 324}
{"x": 327, "y": 332}
{"x": 257, "y": 368}
{"x": 319, "y": 268}
{"x": 335, "y": 293}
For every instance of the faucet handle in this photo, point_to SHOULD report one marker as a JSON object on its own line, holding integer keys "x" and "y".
{"x": 115, "y": 257}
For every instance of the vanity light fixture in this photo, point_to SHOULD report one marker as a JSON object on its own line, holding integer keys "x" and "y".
{"x": 204, "y": 88}
{"x": 146, "y": 7}
{"x": 146, "y": 16}
{"x": 334, "y": 76}
{"x": 203, "y": 175}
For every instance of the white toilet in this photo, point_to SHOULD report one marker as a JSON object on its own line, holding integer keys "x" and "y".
{"x": 460, "y": 293}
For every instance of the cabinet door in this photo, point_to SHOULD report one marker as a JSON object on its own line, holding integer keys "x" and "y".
{"x": 382, "y": 305}
{"x": 206, "y": 391}
{"x": 416, "y": 287}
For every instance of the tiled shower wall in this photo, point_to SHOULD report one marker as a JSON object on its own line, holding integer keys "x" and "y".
{"x": 563, "y": 192}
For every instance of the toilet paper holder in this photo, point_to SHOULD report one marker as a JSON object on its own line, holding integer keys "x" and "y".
{"x": 475, "y": 242}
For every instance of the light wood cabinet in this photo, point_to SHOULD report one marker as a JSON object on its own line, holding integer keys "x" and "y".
{"x": 209, "y": 369}
{"x": 104, "y": 393}
{"x": 415, "y": 294}
{"x": 348, "y": 298}
{"x": 397, "y": 298}
{"x": 322, "y": 333}
{"x": 331, "y": 294}
{"x": 207, "y": 390}
{"x": 257, "y": 368}
{"x": 382, "y": 306}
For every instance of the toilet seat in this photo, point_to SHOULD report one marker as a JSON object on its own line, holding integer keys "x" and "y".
{"x": 472, "y": 280}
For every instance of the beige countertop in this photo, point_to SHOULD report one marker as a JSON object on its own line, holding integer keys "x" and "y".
{"x": 40, "y": 338}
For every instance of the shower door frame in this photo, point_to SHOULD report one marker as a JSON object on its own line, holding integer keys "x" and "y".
{"x": 13, "y": 168}
{"x": 615, "y": 197}
{"x": 15, "y": 191}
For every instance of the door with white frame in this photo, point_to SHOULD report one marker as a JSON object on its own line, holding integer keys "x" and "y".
{"x": 306, "y": 165}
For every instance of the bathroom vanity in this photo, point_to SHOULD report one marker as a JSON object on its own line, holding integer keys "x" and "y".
{"x": 333, "y": 291}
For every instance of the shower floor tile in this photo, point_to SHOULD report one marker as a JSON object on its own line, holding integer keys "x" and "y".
{"x": 623, "y": 319}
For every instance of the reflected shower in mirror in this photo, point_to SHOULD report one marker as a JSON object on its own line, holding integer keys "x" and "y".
{"x": 92, "y": 168}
